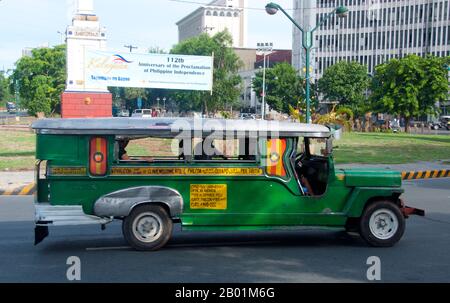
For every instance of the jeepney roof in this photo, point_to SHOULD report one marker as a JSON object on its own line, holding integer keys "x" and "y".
{"x": 171, "y": 127}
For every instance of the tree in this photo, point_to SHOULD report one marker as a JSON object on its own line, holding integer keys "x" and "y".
{"x": 347, "y": 83}
{"x": 227, "y": 83}
{"x": 435, "y": 88}
{"x": 41, "y": 79}
{"x": 410, "y": 86}
{"x": 4, "y": 90}
{"x": 284, "y": 87}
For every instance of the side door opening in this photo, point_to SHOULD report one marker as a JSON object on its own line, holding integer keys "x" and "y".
{"x": 312, "y": 165}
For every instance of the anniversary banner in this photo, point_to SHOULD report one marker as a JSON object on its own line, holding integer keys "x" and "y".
{"x": 148, "y": 70}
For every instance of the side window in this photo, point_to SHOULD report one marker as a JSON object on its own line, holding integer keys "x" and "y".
{"x": 301, "y": 149}
{"x": 146, "y": 149}
{"x": 242, "y": 149}
{"x": 318, "y": 147}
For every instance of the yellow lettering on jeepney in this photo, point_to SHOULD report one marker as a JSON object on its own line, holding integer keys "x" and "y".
{"x": 208, "y": 196}
{"x": 186, "y": 171}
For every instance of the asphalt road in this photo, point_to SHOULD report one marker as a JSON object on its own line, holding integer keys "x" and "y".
{"x": 296, "y": 256}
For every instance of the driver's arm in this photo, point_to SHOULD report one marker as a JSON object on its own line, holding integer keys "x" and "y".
{"x": 305, "y": 181}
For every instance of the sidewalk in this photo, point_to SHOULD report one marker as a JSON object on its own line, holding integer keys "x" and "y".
{"x": 419, "y": 166}
{"x": 12, "y": 180}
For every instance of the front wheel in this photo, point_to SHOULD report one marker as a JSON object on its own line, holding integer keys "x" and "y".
{"x": 382, "y": 224}
{"x": 148, "y": 227}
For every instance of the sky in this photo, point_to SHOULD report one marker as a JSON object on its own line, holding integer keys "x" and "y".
{"x": 144, "y": 23}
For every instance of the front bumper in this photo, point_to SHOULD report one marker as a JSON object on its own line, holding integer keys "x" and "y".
{"x": 408, "y": 211}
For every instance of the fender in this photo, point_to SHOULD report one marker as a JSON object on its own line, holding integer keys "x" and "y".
{"x": 360, "y": 195}
{"x": 120, "y": 203}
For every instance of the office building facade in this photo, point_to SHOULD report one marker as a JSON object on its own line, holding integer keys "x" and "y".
{"x": 216, "y": 17}
{"x": 373, "y": 32}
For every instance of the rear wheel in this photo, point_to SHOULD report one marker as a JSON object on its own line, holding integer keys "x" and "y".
{"x": 148, "y": 227}
{"x": 382, "y": 224}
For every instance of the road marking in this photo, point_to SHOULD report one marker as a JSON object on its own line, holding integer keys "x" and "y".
{"x": 193, "y": 244}
{"x": 107, "y": 248}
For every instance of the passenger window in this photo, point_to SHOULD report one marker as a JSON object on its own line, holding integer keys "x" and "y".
{"x": 145, "y": 149}
{"x": 243, "y": 149}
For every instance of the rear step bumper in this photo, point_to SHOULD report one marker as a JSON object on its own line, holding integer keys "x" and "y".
{"x": 61, "y": 215}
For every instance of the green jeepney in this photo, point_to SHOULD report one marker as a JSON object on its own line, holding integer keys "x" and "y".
{"x": 206, "y": 174}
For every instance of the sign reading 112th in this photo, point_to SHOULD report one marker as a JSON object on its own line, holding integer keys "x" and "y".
{"x": 148, "y": 70}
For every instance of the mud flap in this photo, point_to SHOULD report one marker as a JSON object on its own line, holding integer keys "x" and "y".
{"x": 40, "y": 233}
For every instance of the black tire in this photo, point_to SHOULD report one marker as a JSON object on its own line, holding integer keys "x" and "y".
{"x": 388, "y": 214}
{"x": 156, "y": 222}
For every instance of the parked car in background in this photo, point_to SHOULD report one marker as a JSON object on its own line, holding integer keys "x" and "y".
{"x": 142, "y": 113}
{"x": 11, "y": 107}
{"x": 123, "y": 113}
{"x": 247, "y": 116}
{"x": 442, "y": 123}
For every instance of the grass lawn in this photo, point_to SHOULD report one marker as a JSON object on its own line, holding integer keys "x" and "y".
{"x": 373, "y": 148}
{"x": 17, "y": 148}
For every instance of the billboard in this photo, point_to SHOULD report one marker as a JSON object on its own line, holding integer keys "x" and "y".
{"x": 147, "y": 70}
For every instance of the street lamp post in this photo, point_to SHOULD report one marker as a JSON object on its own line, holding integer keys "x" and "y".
{"x": 63, "y": 36}
{"x": 266, "y": 49}
{"x": 307, "y": 43}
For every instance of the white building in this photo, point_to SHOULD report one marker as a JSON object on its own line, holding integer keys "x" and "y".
{"x": 84, "y": 33}
{"x": 373, "y": 32}
{"x": 216, "y": 17}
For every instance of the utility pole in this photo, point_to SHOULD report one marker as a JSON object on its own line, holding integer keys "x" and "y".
{"x": 130, "y": 47}
{"x": 266, "y": 49}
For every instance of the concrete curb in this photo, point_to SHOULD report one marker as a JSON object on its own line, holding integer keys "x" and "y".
{"x": 426, "y": 174}
{"x": 25, "y": 190}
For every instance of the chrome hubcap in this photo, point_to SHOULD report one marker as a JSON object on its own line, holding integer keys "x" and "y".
{"x": 147, "y": 227}
{"x": 383, "y": 224}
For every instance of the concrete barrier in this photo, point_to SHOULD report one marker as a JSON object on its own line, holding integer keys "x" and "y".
{"x": 425, "y": 174}
{"x": 26, "y": 190}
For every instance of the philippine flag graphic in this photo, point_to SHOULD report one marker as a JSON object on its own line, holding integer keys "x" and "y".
{"x": 120, "y": 59}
